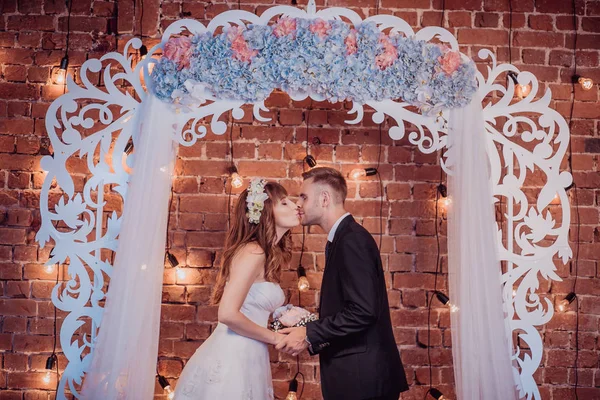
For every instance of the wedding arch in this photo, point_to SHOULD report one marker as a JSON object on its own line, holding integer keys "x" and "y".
{"x": 517, "y": 138}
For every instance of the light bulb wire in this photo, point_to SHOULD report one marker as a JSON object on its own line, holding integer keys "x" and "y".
{"x": 303, "y": 244}
{"x": 298, "y": 373}
{"x": 70, "y": 2}
{"x": 308, "y": 110}
{"x": 435, "y": 281}
{"x": 575, "y": 198}
{"x": 55, "y": 328}
{"x": 381, "y": 192}
{"x": 229, "y": 193}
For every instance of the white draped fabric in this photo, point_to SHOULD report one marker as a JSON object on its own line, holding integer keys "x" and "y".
{"x": 124, "y": 359}
{"x": 480, "y": 345}
{"x": 123, "y": 365}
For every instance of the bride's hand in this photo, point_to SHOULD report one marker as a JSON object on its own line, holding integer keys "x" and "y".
{"x": 277, "y": 338}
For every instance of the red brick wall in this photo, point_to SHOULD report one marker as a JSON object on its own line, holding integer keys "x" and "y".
{"x": 32, "y": 41}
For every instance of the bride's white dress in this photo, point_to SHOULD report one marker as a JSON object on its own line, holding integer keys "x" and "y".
{"x": 229, "y": 366}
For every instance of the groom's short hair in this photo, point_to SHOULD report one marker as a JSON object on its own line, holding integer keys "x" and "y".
{"x": 330, "y": 177}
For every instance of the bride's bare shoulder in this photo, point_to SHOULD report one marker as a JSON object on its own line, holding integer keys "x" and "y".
{"x": 252, "y": 250}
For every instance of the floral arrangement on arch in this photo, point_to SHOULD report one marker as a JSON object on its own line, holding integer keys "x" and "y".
{"x": 329, "y": 58}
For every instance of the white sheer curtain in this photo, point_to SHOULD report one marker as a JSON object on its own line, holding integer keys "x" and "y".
{"x": 123, "y": 364}
{"x": 480, "y": 345}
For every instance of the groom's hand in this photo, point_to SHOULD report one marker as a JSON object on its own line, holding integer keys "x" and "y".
{"x": 295, "y": 341}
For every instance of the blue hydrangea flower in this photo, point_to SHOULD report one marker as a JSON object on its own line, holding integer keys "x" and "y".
{"x": 320, "y": 65}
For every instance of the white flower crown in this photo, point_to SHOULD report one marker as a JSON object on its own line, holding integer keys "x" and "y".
{"x": 255, "y": 202}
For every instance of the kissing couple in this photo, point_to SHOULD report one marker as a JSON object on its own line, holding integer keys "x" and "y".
{"x": 353, "y": 336}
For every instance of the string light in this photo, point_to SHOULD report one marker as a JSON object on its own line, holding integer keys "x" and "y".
{"x": 564, "y": 303}
{"x": 436, "y": 394}
{"x": 166, "y": 386}
{"x": 303, "y": 284}
{"x": 60, "y": 74}
{"x": 443, "y": 190}
{"x": 445, "y": 300}
{"x": 173, "y": 261}
{"x": 236, "y": 180}
{"x": 293, "y": 389}
{"x": 585, "y": 83}
{"x": 520, "y": 90}
{"x": 143, "y": 51}
{"x": 180, "y": 273}
{"x": 49, "y": 367}
{"x": 129, "y": 148}
{"x": 49, "y": 268}
{"x": 358, "y": 173}
{"x": 310, "y": 161}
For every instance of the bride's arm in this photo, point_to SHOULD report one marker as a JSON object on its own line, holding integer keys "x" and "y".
{"x": 246, "y": 267}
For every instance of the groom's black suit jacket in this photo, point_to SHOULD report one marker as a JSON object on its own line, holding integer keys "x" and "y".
{"x": 354, "y": 338}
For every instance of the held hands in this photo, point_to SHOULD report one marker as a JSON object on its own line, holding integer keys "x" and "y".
{"x": 295, "y": 341}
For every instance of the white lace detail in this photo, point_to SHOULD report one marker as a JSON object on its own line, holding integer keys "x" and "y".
{"x": 214, "y": 373}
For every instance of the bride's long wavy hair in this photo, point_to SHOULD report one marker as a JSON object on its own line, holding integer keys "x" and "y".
{"x": 241, "y": 232}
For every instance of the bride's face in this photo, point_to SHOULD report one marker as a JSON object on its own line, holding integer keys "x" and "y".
{"x": 286, "y": 214}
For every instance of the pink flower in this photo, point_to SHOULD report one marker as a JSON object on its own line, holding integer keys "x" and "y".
{"x": 320, "y": 27}
{"x": 389, "y": 55}
{"x": 233, "y": 32}
{"x": 239, "y": 46}
{"x": 444, "y": 48}
{"x": 179, "y": 50}
{"x": 285, "y": 26}
{"x": 350, "y": 42}
{"x": 450, "y": 62}
{"x": 292, "y": 316}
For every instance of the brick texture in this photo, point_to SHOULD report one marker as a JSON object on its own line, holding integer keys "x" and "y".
{"x": 32, "y": 42}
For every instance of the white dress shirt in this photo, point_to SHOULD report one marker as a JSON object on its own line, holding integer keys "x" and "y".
{"x": 331, "y": 234}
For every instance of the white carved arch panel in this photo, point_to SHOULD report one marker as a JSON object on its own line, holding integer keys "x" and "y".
{"x": 94, "y": 124}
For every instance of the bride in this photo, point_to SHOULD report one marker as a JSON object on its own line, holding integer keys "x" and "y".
{"x": 233, "y": 363}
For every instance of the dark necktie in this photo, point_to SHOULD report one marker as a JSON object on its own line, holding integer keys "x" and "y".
{"x": 327, "y": 246}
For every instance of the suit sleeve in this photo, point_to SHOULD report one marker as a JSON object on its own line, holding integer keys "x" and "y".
{"x": 359, "y": 275}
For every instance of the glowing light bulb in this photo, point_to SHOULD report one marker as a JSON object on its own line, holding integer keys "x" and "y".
{"x": 445, "y": 300}
{"x": 447, "y": 201}
{"x": 48, "y": 377}
{"x": 293, "y": 389}
{"x": 60, "y": 74}
{"x": 303, "y": 284}
{"x": 49, "y": 268}
{"x": 522, "y": 90}
{"x": 358, "y": 173}
{"x": 236, "y": 180}
{"x": 514, "y": 293}
{"x": 564, "y": 303}
{"x": 170, "y": 392}
{"x": 586, "y": 83}
{"x": 180, "y": 273}
{"x": 59, "y": 77}
{"x": 291, "y": 396}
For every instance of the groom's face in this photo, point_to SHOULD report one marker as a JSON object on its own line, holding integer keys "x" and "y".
{"x": 308, "y": 202}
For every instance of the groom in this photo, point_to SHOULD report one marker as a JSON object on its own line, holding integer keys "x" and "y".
{"x": 359, "y": 358}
